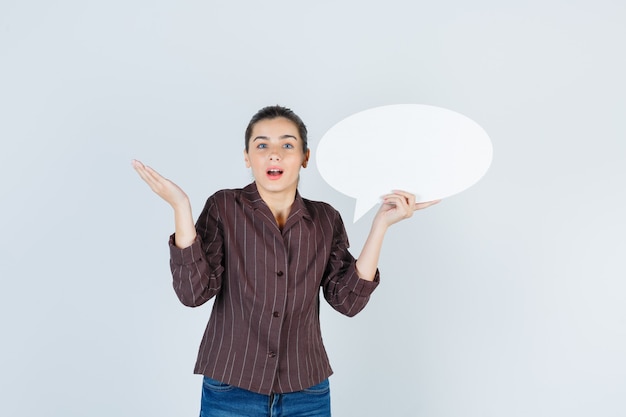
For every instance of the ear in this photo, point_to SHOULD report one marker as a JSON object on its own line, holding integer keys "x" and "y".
{"x": 306, "y": 158}
{"x": 245, "y": 158}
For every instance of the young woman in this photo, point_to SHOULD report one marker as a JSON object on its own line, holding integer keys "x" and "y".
{"x": 264, "y": 252}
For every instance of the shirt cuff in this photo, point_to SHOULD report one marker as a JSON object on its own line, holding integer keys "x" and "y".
{"x": 185, "y": 256}
{"x": 363, "y": 287}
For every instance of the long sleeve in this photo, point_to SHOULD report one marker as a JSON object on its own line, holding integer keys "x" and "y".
{"x": 197, "y": 270}
{"x": 343, "y": 289}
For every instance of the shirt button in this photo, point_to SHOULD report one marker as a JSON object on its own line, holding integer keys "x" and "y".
{"x": 279, "y": 273}
{"x": 271, "y": 354}
{"x": 276, "y": 314}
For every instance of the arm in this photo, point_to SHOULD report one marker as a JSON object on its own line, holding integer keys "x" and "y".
{"x": 343, "y": 289}
{"x": 396, "y": 206}
{"x": 196, "y": 267}
{"x": 348, "y": 283}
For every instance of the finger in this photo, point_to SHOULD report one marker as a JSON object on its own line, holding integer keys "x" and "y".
{"x": 420, "y": 206}
{"x": 395, "y": 199}
{"x": 141, "y": 170}
{"x": 154, "y": 178}
{"x": 406, "y": 200}
{"x": 409, "y": 196}
{"x": 150, "y": 176}
{"x": 153, "y": 172}
{"x": 139, "y": 166}
{"x": 136, "y": 163}
{"x": 154, "y": 186}
{"x": 400, "y": 204}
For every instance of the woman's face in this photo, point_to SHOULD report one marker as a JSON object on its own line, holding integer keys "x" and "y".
{"x": 275, "y": 155}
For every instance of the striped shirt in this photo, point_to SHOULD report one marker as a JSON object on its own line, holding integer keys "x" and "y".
{"x": 264, "y": 331}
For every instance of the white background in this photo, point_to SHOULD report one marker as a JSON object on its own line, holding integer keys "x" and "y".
{"x": 506, "y": 300}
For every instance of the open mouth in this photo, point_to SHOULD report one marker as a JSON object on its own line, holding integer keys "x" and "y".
{"x": 274, "y": 172}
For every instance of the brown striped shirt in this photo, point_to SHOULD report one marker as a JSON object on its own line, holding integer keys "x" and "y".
{"x": 264, "y": 331}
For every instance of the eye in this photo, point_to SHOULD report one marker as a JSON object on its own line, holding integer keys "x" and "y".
{"x": 261, "y": 146}
{"x": 288, "y": 146}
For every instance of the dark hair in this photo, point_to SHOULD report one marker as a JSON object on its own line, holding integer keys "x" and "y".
{"x": 272, "y": 112}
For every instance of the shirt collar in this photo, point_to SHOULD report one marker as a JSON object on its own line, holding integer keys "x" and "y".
{"x": 298, "y": 209}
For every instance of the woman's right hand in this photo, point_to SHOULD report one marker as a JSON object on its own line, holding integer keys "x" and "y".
{"x": 163, "y": 187}
{"x": 185, "y": 233}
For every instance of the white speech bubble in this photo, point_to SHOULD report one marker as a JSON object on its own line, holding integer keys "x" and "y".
{"x": 426, "y": 150}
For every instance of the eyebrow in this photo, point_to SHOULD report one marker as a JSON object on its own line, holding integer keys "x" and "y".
{"x": 280, "y": 137}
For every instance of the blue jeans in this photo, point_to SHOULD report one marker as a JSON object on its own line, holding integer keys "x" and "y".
{"x": 223, "y": 400}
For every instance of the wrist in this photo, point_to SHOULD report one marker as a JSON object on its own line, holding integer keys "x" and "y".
{"x": 182, "y": 204}
{"x": 379, "y": 227}
{"x": 381, "y": 221}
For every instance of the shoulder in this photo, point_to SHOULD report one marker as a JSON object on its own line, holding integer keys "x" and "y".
{"x": 321, "y": 211}
{"x": 222, "y": 195}
{"x": 318, "y": 205}
{"x": 228, "y": 193}
{"x": 232, "y": 195}
{"x": 223, "y": 200}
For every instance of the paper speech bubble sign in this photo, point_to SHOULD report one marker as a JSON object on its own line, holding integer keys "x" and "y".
{"x": 426, "y": 150}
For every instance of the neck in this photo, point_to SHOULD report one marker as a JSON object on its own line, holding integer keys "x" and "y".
{"x": 279, "y": 204}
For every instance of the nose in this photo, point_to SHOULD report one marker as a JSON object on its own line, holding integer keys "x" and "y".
{"x": 275, "y": 154}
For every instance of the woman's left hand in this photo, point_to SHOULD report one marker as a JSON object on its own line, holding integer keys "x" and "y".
{"x": 400, "y": 205}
